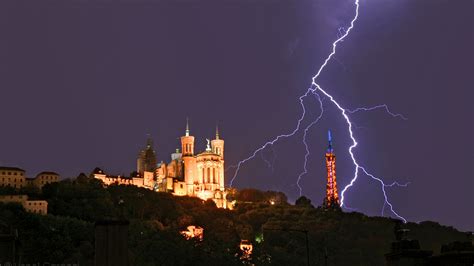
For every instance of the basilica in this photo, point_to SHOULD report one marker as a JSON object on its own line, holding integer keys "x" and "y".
{"x": 186, "y": 174}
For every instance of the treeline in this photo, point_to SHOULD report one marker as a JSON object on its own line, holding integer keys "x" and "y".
{"x": 277, "y": 229}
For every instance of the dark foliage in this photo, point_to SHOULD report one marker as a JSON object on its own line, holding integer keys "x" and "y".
{"x": 277, "y": 230}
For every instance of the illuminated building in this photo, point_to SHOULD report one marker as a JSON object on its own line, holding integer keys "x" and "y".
{"x": 12, "y": 176}
{"x": 44, "y": 178}
{"x": 34, "y": 206}
{"x": 200, "y": 175}
{"x": 187, "y": 174}
{"x": 192, "y": 231}
{"x": 16, "y": 178}
{"x": 246, "y": 248}
{"x": 332, "y": 198}
{"x": 144, "y": 175}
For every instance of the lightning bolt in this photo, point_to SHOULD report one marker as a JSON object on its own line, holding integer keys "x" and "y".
{"x": 305, "y": 170}
{"x": 314, "y": 89}
{"x": 381, "y": 106}
{"x": 270, "y": 164}
{"x": 273, "y": 141}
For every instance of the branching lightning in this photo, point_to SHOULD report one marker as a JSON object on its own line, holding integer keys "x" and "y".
{"x": 381, "y": 106}
{"x": 316, "y": 90}
{"x": 305, "y": 170}
{"x": 273, "y": 141}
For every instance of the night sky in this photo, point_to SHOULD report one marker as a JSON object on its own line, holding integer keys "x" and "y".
{"x": 82, "y": 83}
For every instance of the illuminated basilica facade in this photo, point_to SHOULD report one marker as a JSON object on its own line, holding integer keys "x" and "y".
{"x": 187, "y": 174}
{"x": 200, "y": 175}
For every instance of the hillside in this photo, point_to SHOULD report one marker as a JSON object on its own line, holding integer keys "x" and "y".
{"x": 66, "y": 234}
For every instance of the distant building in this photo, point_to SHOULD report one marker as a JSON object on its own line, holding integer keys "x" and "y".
{"x": 454, "y": 254}
{"x": 12, "y": 176}
{"x": 111, "y": 243}
{"x": 34, "y": 206}
{"x": 44, "y": 178}
{"x": 407, "y": 252}
{"x": 199, "y": 175}
{"x": 246, "y": 248}
{"x": 9, "y": 245}
{"x": 187, "y": 174}
{"x": 16, "y": 178}
{"x": 146, "y": 161}
{"x": 193, "y": 231}
{"x": 146, "y": 180}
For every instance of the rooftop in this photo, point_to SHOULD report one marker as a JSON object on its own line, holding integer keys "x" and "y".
{"x": 48, "y": 173}
{"x": 11, "y": 168}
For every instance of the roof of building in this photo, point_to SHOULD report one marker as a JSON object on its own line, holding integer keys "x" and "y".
{"x": 97, "y": 170}
{"x": 48, "y": 173}
{"x": 11, "y": 168}
{"x": 204, "y": 153}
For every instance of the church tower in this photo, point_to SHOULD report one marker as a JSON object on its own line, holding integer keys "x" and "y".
{"x": 189, "y": 160}
{"x": 331, "y": 200}
{"x": 187, "y": 142}
{"x": 146, "y": 161}
{"x": 217, "y": 145}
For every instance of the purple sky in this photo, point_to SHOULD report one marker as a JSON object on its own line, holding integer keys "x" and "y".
{"x": 83, "y": 82}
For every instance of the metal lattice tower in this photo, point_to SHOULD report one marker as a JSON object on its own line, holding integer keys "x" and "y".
{"x": 332, "y": 197}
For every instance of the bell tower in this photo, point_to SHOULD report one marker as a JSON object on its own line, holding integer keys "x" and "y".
{"x": 217, "y": 144}
{"x": 189, "y": 160}
{"x": 187, "y": 142}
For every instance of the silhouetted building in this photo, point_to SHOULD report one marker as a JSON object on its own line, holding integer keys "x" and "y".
{"x": 9, "y": 246}
{"x": 111, "y": 243}
{"x": 407, "y": 252}
{"x": 454, "y": 254}
{"x": 146, "y": 161}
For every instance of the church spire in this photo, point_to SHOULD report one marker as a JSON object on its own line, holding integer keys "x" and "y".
{"x": 149, "y": 141}
{"x": 187, "y": 127}
{"x": 217, "y": 131}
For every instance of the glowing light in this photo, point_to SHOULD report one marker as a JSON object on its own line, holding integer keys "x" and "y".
{"x": 193, "y": 231}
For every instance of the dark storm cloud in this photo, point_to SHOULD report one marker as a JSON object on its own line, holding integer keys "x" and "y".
{"x": 83, "y": 82}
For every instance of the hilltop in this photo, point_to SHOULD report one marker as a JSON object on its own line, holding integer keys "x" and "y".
{"x": 275, "y": 228}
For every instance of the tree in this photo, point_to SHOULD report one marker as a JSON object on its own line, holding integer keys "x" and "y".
{"x": 303, "y": 202}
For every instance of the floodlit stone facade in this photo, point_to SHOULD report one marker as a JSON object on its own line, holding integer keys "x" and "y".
{"x": 44, "y": 178}
{"x": 187, "y": 174}
{"x": 146, "y": 180}
{"x": 16, "y": 178}
{"x": 12, "y": 176}
{"x": 199, "y": 175}
{"x": 34, "y": 206}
